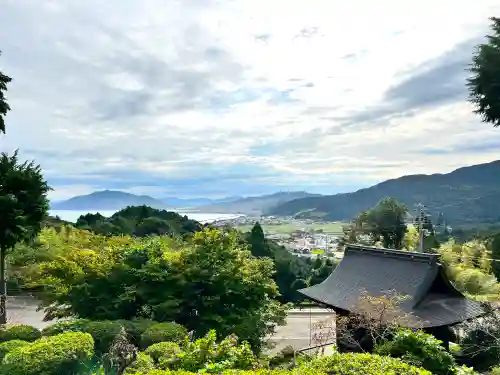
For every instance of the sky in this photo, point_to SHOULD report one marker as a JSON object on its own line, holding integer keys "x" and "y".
{"x": 205, "y": 98}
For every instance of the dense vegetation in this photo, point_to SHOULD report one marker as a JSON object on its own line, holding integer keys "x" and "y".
{"x": 461, "y": 197}
{"x": 139, "y": 221}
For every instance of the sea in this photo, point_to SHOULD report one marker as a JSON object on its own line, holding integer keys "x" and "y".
{"x": 73, "y": 215}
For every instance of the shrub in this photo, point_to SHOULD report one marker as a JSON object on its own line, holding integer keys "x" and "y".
{"x": 8, "y": 346}
{"x": 103, "y": 333}
{"x": 135, "y": 328}
{"x": 56, "y": 355}
{"x": 20, "y": 332}
{"x": 73, "y": 325}
{"x": 161, "y": 332}
{"x": 206, "y": 355}
{"x": 362, "y": 364}
{"x": 495, "y": 371}
{"x": 141, "y": 365}
{"x": 418, "y": 349}
{"x": 163, "y": 350}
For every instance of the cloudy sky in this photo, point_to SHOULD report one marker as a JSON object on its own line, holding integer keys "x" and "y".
{"x": 215, "y": 98}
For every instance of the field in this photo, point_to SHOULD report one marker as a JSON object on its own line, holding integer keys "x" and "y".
{"x": 287, "y": 228}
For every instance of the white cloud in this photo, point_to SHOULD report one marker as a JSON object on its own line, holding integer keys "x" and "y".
{"x": 286, "y": 93}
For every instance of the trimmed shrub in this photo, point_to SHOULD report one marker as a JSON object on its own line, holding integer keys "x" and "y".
{"x": 8, "y": 346}
{"x": 135, "y": 328}
{"x": 103, "y": 333}
{"x": 73, "y": 325}
{"x": 418, "y": 349}
{"x": 163, "y": 351}
{"x": 20, "y": 332}
{"x": 362, "y": 364}
{"x": 55, "y": 355}
{"x": 141, "y": 365}
{"x": 161, "y": 332}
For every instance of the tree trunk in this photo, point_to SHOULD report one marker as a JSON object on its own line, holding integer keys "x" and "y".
{"x": 3, "y": 287}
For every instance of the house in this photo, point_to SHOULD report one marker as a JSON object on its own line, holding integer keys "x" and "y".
{"x": 432, "y": 302}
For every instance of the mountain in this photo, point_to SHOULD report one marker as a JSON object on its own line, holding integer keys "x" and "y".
{"x": 254, "y": 205}
{"x": 107, "y": 200}
{"x": 173, "y": 202}
{"x": 466, "y": 195}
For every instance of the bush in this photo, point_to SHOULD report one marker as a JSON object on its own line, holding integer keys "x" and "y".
{"x": 207, "y": 356}
{"x": 142, "y": 364}
{"x": 20, "y": 332}
{"x": 8, "y": 346}
{"x": 56, "y": 355}
{"x": 135, "y": 328}
{"x": 73, "y": 325}
{"x": 418, "y": 349}
{"x": 103, "y": 333}
{"x": 163, "y": 351}
{"x": 362, "y": 364}
{"x": 161, "y": 332}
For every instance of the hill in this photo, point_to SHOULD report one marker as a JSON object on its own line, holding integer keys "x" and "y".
{"x": 107, "y": 200}
{"x": 466, "y": 195}
{"x": 139, "y": 221}
{"x": 254, "y": 205}
{"x": 173, "y": 202}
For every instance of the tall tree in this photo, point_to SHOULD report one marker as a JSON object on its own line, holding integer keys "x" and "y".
{"x": 258, "y": 243}
{"x": 386, "y": 222}
{"x": 495, "y": 254}
{"x": 23, "y": 206}
{"x": 4, "y": 106}
{"x": 484, "y": 84}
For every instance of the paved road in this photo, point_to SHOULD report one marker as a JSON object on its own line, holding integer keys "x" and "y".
{"x": 299, "y": 332}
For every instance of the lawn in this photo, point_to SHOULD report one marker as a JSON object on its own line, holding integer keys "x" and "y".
{"x": 333, "y": 228}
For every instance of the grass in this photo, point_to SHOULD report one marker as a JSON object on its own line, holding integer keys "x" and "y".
{"x": 288, "y": 228}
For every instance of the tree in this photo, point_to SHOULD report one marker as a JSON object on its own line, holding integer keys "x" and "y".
{"x": 258, "y": 243}
{"x": 385, "y": 222}
{"x": 484, "y": 84}
{"x": 4, "y": 106}
{"x": 209, "y": 282}
{"x": 23, "y": 207}
{"x": 495, "y": 254}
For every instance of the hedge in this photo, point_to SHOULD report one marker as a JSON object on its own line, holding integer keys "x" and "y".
{"x": 73, "y": 325}
{"x": 161, "y": 332}
{"x": 103, "y": 332}
{"x": 8, "y": 346}
{"x": 135, "y": 328}
{"x": 62, "y": 354}
{"x": 142, "y": 364}
{"x": 20, "y": 332}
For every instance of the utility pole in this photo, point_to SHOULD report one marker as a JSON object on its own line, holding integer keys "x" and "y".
{"x": 420, "y": 218}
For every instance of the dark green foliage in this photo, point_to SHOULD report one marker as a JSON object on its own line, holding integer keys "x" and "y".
{"x": 479, "y": 345}
{"x": 73, "y": 325}
{"x": 258, "y": 243}
{"x": 139, "y": 221}
{"x": 495, "y": 254}
{"x": 23, "y": 207}
{"x": 464, "y": 196}
{"x": 135, "y": 328}
{"x": 20, "y": 332}
{"x": 419, "y": 349}
{"x": 385, "y": 222}
{"x": 103, "y": 333}
{"x": 484, "y": 84}
{"x": 8, "y": 346}
{"x": 4, "y": 106}
{"x": 56, "y": 355}
{"x": 161, "y": 332}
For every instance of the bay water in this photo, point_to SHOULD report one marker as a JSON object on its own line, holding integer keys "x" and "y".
{"x": 73, "y": 215}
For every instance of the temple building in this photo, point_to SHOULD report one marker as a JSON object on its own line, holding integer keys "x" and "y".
{"x": 431, "y": 301}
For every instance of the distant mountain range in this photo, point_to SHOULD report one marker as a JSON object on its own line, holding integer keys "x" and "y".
{"x": 107, "y": 200}
{"x": 469, "y": 195}
{"x": 116, "y": 200}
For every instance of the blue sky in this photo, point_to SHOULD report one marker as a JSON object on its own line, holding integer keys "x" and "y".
{"x": 208, "y": 98}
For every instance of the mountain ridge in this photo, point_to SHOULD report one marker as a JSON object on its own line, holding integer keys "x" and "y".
{"x": 463, "y": 195}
